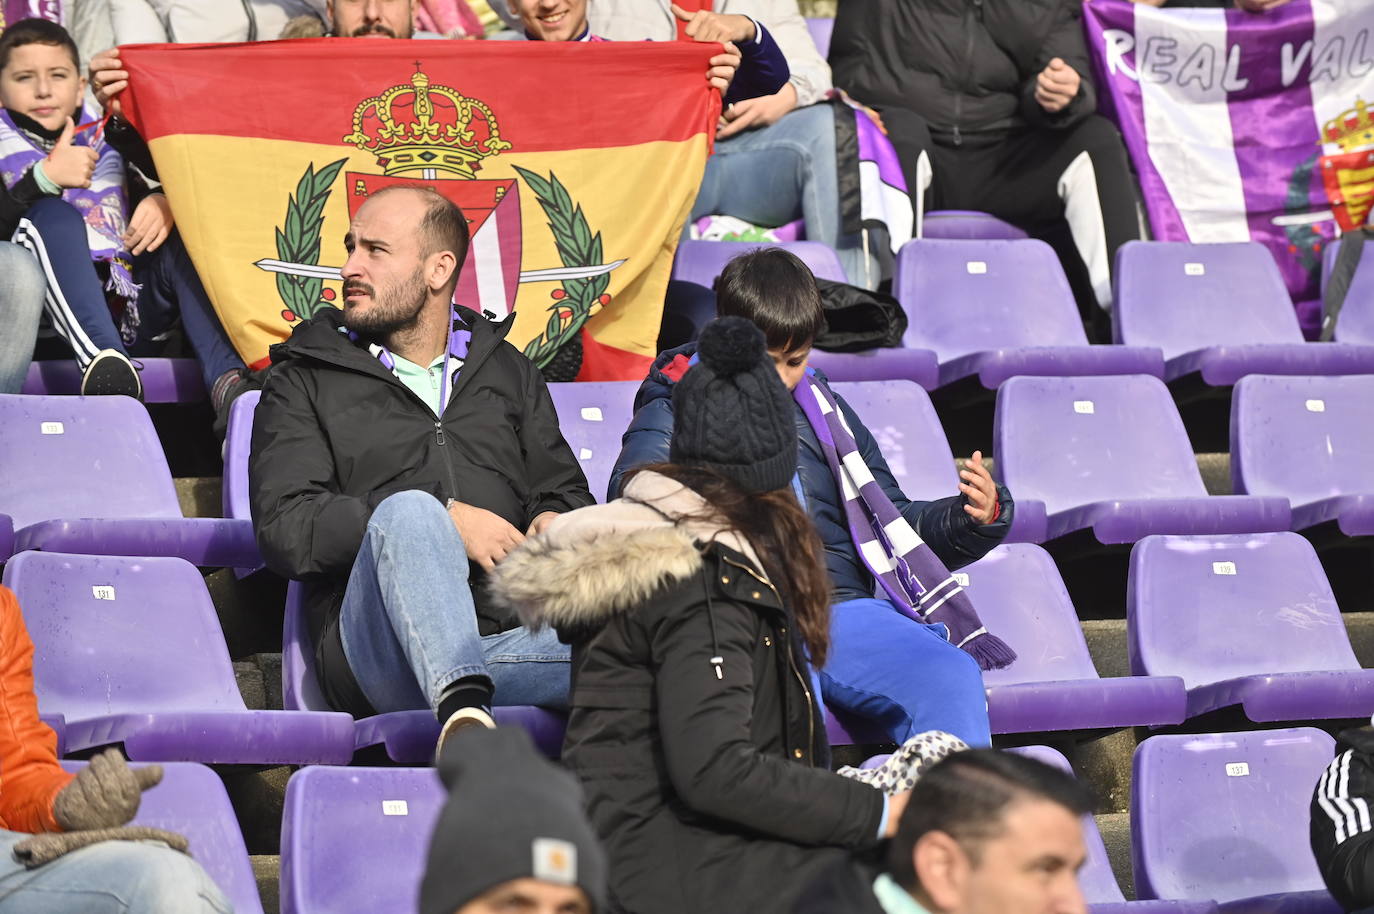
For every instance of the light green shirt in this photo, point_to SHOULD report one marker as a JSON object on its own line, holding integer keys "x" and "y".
{"x": 424, "y": 382}
{"x": 894, "y": 898}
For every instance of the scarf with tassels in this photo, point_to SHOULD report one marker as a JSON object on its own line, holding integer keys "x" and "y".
{"x": 908, "y": 570}
{"x": 104, "y": 205}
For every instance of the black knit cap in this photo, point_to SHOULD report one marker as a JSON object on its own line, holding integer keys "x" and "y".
{"x": 511, "y": 814}
{"x": 732, "y": 413}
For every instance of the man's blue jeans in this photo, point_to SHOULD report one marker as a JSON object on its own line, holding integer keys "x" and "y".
{"x": 21, "y": 306}
{"x": 901, "y": 674}
{"x": 775, "y": 174}
{"x": 409, "y": 627}
{"x": 114, "y": 877}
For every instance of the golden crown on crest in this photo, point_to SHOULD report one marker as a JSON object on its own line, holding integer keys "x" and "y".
{"x": 1351, "y": 129}
{"x": 439, "y": 129}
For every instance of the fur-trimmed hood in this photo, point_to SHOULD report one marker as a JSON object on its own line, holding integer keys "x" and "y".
{"x": 598, "y": 561}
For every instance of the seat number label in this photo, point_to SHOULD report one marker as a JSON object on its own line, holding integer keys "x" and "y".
{"x": 395, "y": 808}
{"x": 1194, "y": 269}
{"x": 584, "y": 454}
{"x": 51, "y": 428}
{"x": 591, "y": 413}
{"x": 103, "y": 592}
{"x": 977, "y": 267}
{"x": 1237, "y": 770}
{"x": 960, "y": 578}
{"x": 1084, "y": 407}
{"x": 1223, "y": 568}
{"x": 1316, "y": 406}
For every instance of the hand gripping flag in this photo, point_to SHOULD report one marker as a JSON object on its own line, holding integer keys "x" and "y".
{"x": 576, "y": 165}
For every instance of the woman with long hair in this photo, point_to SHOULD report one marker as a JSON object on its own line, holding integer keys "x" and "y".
{"x": 697, "y": 605}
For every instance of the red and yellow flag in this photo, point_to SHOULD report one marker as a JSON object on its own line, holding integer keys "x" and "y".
{"x": 575, "y": 163}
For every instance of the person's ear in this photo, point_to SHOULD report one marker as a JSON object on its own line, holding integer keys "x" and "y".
{"x": 439, "y": 269}
{"x": 942, "y": 870}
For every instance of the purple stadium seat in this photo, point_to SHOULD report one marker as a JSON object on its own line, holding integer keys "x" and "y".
{"x": 164, "y": 380}
{"x": 701, "y": 261}
{"x": 1219, "y": 310}
{"x": 130, "y": 651}
{"x": 191, "y": 801}
{"x": 1310, "y": 440}
{"x": 87, "y": 474}
{"x": 593, "y": 415}
{"x": 908, "y": 432}
{"x": 967, "y": 225}
{"x": 917, "y": 365}
{"x": 995, "y": 309}
{"x": 6, "y": 537}
{"x": 354, "y": 840}
{"x": 238, "y": 443}
{"x": 1356, "y": 323}
{"x": 1110, "y": 455}
{"x": 1100, "y": 888}
{"x": 1247, "y": 620}
{"x": 1053, "y": 684}
{"x": 1224, "y": 817}
{"x": 408, "y": 736}
{"x": 820, "y": 30}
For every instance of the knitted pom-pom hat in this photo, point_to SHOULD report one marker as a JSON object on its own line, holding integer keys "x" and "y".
{"x": 732, "y": 413}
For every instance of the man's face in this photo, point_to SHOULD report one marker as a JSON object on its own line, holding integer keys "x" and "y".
{"x": 384, "y": 285}
{"x": 372, "y": 18}
{"x": 552, "y": 20}
{"x": 529, "y": 896}
{"x": 791, "y": 364}
{"x": 41, "y": 81}
{"x": 1031, "y": 867}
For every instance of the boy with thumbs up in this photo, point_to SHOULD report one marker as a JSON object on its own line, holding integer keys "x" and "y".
{"x": 118, "y": 276}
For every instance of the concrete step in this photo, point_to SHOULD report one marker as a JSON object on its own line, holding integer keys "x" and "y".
{"x": 267, "y": 869}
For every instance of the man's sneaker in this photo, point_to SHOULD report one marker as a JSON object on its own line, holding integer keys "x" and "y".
{"x": 111, "y": 372}
{"x": 460, "y": 721}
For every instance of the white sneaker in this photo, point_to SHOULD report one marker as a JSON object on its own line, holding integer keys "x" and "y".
{"x": 111, "y": 372}
{"x": 461, "y": 720}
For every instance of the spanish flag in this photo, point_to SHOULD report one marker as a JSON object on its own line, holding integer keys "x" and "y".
{"x": 575, "y": 163}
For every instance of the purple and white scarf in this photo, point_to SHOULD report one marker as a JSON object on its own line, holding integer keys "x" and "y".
{"x": 909, "y": 571}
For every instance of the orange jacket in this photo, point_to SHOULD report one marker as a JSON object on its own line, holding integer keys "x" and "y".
{"x": 30, "y": 777}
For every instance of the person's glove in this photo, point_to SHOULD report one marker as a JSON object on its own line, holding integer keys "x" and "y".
{"x": 41, "y": 849}
{"x": 105, "y": 794}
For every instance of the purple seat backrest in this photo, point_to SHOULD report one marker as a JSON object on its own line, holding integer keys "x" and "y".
{"x": 116, "y": 635}
{"x": 69, "y": 457}
{"x": 1019, "y": 595}
{"x": 593, "y": 415}
{"x": 1182, "y": 297}
{"x": 1210, "y": 608}
{"x": 701, "y": 261}
{"x": 1096, "y": 879}
{"x": 1076, "y": 441}
{"x": 191, "y": 800}
{"x": 1225, "y": 816}
{"x": 238, "y": 444}
{"x": 963, "y": 223}
{"x": 1356, "y": 323}
{"x": 300, "y": 689}
{"x": 962, "y": 296}
{"x": 1303, "y": 438}
{"x": 820, "y": 30}
{"x": 909, "y": 434}
{"x": 355, "y": 839}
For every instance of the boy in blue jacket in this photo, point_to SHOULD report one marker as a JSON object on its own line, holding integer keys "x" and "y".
{"x": 884, "y": 666}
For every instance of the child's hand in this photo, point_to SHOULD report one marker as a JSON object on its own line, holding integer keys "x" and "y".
{"x": 68, "y": 165}
{"x": 151, "y": 224}
{"x": 977, "y": 485}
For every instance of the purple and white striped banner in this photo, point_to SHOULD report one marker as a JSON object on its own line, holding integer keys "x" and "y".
{"x": 1225, "y": 114}
{"x": 14, "y": 10}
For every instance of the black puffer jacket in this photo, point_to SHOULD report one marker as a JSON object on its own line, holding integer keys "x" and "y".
{"x": 966, "y": 66}
{"x": 955, "y": 537}
{"x": 335, "y": 433}
{"x": 693, "y": 724}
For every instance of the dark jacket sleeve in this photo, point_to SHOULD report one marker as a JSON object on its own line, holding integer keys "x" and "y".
{"x": 1065, "y": 41}
{"x": 646, "y": 441}
{"x": 555, "y": 479}
{"x": 304, "y": 526}
{"x": 956, "y": 538}
{"x": 1342, "y": 839}
{"x": 762, "y": 70}
{"x": 715, "y": 768}
{"x": 16, "y": 200}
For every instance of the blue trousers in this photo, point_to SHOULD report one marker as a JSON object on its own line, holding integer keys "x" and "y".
{"x": 901, "y": 674}
{"x": 409, "y": 627}
{"x": 21, "y": 306}
{"x": 114, "y": 877}
{"x": 75, "y": 304}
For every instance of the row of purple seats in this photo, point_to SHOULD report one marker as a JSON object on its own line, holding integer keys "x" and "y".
{"x": 164, "y": 380}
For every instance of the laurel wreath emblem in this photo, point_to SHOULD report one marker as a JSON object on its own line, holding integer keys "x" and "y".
{"x": 298, "y": 241}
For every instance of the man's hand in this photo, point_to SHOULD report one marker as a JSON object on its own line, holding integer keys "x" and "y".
{"x": 105, "y": 794}
{"x": 896, "y": 805}
{"x": 541, "y": 523}
{"x": 723, "y": 68}
{"x": 487, "y": 536}
{"x": 704, "y": 25}
{"x": 977, "y": 485}
{"x": 68, "y": 165}
{"x": 756, "y": 112}
{"x": 108, "y": 79}
{"x": 150, "y": 225}
{"x": 1057, "y": 86}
